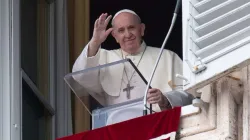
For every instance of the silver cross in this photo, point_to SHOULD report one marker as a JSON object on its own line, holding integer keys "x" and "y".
{"x": 127, "y": 89}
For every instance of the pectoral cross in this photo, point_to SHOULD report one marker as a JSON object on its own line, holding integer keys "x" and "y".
{"x": 127, "y": 89}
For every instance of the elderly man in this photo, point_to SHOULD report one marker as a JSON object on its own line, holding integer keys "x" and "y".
{"x": 128, "y": 30}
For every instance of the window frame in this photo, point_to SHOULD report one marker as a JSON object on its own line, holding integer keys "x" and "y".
{"x": 51, "y": 45}
{"x": 48, "y": 103}
{"x": 212, "y": 63}
{"x": 10, "y": 89}
{"x": 11, "y": 74}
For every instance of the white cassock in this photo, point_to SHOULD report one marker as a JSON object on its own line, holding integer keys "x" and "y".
{"x": 112, "y": 81}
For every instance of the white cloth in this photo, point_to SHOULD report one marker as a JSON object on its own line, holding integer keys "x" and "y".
{"x": 108, "y": 81}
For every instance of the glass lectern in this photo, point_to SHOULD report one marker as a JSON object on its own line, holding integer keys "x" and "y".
{"x": 120, "y": 98}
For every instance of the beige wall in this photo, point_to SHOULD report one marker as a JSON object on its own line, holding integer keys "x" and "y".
{"x": 78, "y": 21}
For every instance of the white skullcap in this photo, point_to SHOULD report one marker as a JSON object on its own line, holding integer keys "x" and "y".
{"x": 125, "y": 11}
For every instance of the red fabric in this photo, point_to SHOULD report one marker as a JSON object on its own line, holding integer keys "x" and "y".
{"x": 142, "y": 128}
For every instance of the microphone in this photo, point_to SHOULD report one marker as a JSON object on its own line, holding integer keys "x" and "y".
{"x": 177, "y": 7}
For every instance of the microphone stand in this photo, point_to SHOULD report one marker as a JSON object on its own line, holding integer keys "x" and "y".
{"x": 158, "y": 59}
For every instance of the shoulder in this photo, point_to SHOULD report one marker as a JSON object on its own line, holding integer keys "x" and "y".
{"x": 152, "y": 49}
{"x": 110, "y": 53}
{"x": 107, "y": 50}
{"x": 166, "y": 55}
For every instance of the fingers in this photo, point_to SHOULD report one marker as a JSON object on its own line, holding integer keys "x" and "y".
{"x": 108, "y": 31}
{"x": 154, "y": 96}
{"x": 102, "y": 18}
{"x": 102, "y": 22}
{"x": 152, "y": 90}
{"x": 96, "y": 23}
{"x": 100, "y": 33}
{"x": 154, "y": 100}
{"x": 107, "y": 20}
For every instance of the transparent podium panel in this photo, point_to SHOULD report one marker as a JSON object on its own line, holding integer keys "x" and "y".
{"x": 117, "y": 113}
{"x": 118, "y": 89}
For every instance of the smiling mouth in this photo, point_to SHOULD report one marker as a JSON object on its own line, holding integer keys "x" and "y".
{"x": 130, "y": 40}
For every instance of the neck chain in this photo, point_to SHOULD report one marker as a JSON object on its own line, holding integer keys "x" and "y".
{"x": 128, "y": 87}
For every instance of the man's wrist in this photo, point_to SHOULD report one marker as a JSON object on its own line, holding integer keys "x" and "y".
{"x": 93, "y": 48}
{"x": 163, "y": 100}
{"x": 164, "y": 103}
{"x": 94, "y": 44}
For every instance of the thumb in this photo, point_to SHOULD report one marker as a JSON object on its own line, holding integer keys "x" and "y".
{"x": 108, "y": 31}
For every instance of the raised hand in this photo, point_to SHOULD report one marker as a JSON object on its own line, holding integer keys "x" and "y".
{"x": 100, "y": 32}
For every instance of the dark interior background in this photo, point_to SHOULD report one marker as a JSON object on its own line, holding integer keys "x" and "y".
{"x": 156, "y": 15}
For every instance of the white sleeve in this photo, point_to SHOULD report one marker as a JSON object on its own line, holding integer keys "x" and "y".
{"x": 178, "y": 97}
{"x": 90, "y": 80}
{"x": 83, "y": 61}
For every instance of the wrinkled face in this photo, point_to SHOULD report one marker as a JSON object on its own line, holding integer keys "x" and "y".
{"x": 128, "y": 32}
